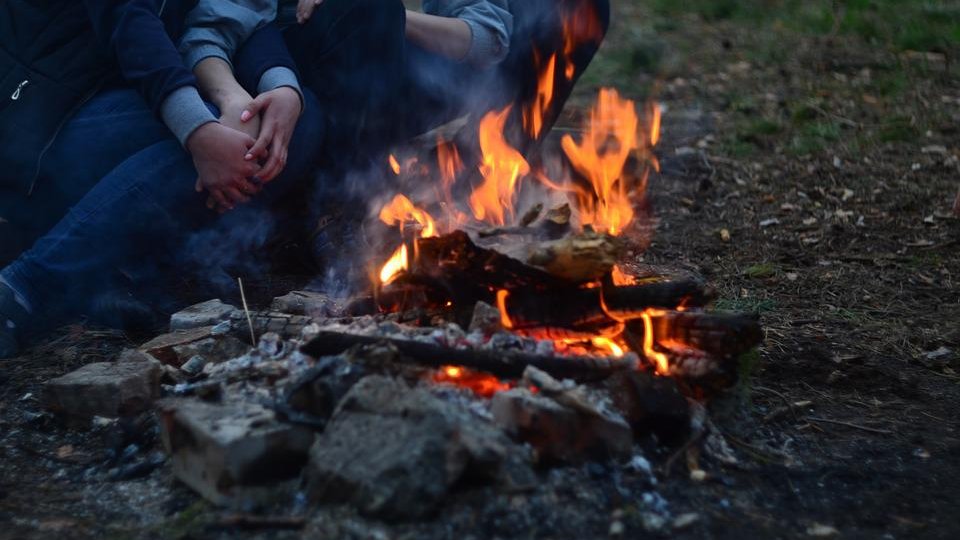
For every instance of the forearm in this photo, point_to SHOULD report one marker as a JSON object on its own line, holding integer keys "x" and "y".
{"x": 446, "y": 36}
{"x": 218, "y": 84}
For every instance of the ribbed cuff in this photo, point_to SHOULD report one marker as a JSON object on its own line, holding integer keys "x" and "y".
{"x": 278, "y": 77}
{"x": 485, "y": 48}
{"x": 201, "y": 52}
{"x": 184, "y": 111}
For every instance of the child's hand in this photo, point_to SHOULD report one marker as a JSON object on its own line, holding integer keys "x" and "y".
{"x": 305, "y": 9}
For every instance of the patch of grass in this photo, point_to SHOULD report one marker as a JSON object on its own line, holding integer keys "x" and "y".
{"x": 813, "y": 137}
{"x": 899, "y": 24}
{"x": 898, "y": 130}
{"x": 762, "y": 270}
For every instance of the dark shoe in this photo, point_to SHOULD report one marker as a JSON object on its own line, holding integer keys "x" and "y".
{"x": 13, "y": 323}
{"x": 123, "y": 311}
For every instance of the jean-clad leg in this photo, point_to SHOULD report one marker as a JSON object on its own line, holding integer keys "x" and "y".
{"x": 112, "y": 126}
{"x": 142, "y": 213}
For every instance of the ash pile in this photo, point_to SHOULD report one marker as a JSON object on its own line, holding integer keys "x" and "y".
{"x": 392, "y": 418}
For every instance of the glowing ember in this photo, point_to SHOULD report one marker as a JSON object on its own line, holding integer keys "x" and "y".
{"x": 659, "y": 359}
{"x": 400, "y": 210}
{"x": 600, "y": 158}
{"x": 502, "y": 168}
{"x": 482, "y": 384}
{"x": 394, "y": 164}
{"x": 533, "y": 116}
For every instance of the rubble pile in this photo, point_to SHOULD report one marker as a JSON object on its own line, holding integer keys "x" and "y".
{"x": 369, "y": 425}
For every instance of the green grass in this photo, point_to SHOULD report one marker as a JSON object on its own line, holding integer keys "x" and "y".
{"x": 899, "y": 24}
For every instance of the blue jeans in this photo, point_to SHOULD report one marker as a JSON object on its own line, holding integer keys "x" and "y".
{"x": 109, "y": 128}
{"x": 143, "y": 214}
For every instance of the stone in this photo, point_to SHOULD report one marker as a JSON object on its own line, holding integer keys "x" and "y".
{"x": 486, "y": 319}
{"x": 652, "y": 405}
{"x": 394, "y": 452}
{"x": 309, "y": 303}
{"x": 212, "y": 349}
{"x": 208, "y": 313}
{"x": 162, "y": 347}
{"x": 107, "y": 389}
{"x": 318, "y": 391}
{"x": 230, "y": 453}
{"x": 559, "y": 432}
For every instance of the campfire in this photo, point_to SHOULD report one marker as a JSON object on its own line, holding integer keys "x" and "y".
{"x": 540, "y": 239}
{"x": 505, "y": 322}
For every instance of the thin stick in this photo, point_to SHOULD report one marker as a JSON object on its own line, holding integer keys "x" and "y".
{"x": 246, "y": 310}
{"x": 848, "y": 424}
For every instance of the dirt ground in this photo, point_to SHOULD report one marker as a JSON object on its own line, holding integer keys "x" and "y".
{"x": 809, "y": 174}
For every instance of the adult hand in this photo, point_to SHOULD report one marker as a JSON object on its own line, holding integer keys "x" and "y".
{"x": 218, "y": 154}
{"x": 305, "y": 9}
{"x": 279, "y": 110}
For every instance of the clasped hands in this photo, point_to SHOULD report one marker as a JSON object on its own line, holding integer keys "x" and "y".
{"x": 246, "y": 149}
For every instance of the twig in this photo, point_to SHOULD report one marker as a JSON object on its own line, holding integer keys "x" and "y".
{"x": 246, "y": 311}
{"x": 849, "y": 424}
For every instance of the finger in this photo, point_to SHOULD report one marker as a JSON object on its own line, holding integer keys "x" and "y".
{"x": 247, "y": 187}
{"x": 235, "y": 196}
{"x": 255, "y": 107}
{"x": 221, "y": 199}
{"x": 212, "y": 203}
{"x": 259, "y": 149}
{"x": 198, "y": 186}
{"x": 277, "y": 161}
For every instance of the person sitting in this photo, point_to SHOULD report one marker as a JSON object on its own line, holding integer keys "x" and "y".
{"x": 95, "y": 145}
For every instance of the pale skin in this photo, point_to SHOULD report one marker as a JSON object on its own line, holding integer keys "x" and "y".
{"x": 249, "y": 142}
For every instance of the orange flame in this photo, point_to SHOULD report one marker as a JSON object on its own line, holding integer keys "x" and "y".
{"x": 579, "y": 27}
{"x": 609, "y": 345}
{"x": 400, "y": 210}
{"x": 533, "y": 116}
{"x": 502, "y": 167}
{"x": 450, "y": 165}
{"x": 600, "y": 158}
{"x": 394, "y": 164}
{"x": 659, "y": 359}
{"x": 396, "y": 265}
{"x": 502, "y": 306}
{"x": 621, "y": 279}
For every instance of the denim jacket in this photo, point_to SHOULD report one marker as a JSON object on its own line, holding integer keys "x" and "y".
{"x": 489, "y": 20}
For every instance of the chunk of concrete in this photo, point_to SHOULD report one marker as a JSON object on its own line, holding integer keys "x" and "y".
{"x": 231, "y": 453}
{"x": 162, "y": 346}
{"x": 107, "y": 389}
{"x": 309, "y": 303}
{"x": 394, "y": 452}
{"x": 560, "y": 432}
{"x": 207, "y": 313}
{"x": 486, "y": 319}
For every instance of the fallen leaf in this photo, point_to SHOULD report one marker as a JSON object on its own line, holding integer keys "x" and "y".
{"x": 65, "y": 451}
{"x": 822, "y": 531}
{"x": 724, "y": 235}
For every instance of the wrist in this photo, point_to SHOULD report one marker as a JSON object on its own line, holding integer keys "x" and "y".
{"x": 197, "y": 140}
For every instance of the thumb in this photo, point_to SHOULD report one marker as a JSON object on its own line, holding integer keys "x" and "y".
{"x": 255, "y": 107}
{"x": 198, "y": 186}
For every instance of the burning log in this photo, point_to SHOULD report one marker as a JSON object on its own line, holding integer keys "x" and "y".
{"x": 580, "y": 258}
{"x": 718, "y": 334}
{"x": 507, "y": 364}
{"x": 629, "y": 302}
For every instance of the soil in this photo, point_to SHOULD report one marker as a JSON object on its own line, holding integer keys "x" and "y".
{"x": 835, "y": 193}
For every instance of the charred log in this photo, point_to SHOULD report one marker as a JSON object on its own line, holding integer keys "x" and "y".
{"x": 717, "y": 334}
{"x": 627, "y": 303}
{"x": 507, "y": 364}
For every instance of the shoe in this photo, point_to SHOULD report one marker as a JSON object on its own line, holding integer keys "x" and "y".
{"x": 13, "y": 322}
{"x": 123, "y": 311}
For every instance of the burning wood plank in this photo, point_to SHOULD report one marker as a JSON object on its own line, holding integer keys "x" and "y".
{"x": 502, "y": 363}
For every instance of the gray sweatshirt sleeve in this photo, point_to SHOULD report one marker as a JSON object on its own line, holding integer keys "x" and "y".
{"x": 219, "y": 27}
{"x": 490, "y": 22}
